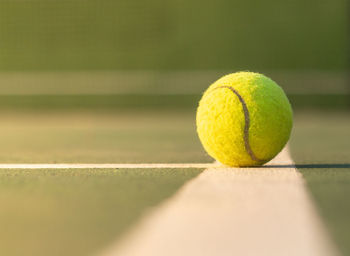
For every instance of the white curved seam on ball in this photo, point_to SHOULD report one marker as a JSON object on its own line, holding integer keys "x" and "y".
{"x": 246, "y": 124}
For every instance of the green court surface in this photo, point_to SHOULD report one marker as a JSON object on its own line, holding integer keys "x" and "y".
{"x": 99, "y": 137}
{"x": 320, "y": 146}
{"x": 79, "y": 212}
{"x": 76, "y": 212}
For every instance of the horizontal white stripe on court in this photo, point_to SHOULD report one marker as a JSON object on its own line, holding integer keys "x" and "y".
{"x": 108, "y": 166}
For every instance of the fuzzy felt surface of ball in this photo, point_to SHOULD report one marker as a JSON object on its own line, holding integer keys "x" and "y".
{"x": 244, "y": 119}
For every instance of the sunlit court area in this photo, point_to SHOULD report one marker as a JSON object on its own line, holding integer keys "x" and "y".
{"x": 99, "y": 151}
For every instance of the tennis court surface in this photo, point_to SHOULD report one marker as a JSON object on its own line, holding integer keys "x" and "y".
{"x": 99, "y": 153}
{"x": 181, "y": 196}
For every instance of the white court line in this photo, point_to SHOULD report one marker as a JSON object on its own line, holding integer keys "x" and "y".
{"x": 233, "y": 211}
{"x": 107, "y": 166}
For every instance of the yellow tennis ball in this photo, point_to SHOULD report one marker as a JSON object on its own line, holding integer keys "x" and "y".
{"x": 244, "y": 119}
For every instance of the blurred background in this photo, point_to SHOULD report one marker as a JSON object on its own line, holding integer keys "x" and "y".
{"x": 118, "y": 81}
{"x": 172, "y": 47}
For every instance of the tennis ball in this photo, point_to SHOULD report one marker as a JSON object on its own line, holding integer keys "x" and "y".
{"x": 244, "y": 119}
